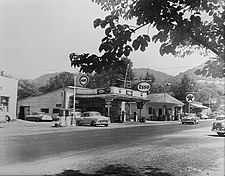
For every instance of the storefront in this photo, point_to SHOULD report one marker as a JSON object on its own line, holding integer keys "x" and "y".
{"x": 114, "y": 102}
{"x": 162, "y": 106}
{"x": 8, "y": 97}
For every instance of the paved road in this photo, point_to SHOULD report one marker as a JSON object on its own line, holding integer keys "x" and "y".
{"x": 87, "y": 143}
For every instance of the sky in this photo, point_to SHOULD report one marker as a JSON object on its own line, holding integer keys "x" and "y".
{"x": 37, "y": 37}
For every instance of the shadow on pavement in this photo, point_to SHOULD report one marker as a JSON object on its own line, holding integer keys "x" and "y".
{"x": 216, "y": 135}
{"x": 118, "y": 170}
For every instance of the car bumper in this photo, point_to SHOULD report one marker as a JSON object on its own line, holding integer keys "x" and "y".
{"x": 102, "y": 123}
{"x": 46, "y": 119}
{"x": 189, "y": 121}
{"x": 219, "y": 130}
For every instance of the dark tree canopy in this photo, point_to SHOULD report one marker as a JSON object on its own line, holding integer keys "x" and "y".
{"x": 26, "y": 89}
{"x": 183, "y": 26}
{"x": 61, "y": 80}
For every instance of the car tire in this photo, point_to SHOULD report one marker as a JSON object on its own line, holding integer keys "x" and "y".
{"x": 78, "y": 123}
{"x": 106, "y": 125}
{"x": 93, "y": 123}
{"x": 220, "y": 134}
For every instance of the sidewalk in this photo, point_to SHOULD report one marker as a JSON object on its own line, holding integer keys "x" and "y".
{"x": 22, "y": 127}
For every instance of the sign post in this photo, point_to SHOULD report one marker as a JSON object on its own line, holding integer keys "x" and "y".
{"x": 143, "y": 87}
{"x": 190, "y": 98}
{"x": 74, "y": 98}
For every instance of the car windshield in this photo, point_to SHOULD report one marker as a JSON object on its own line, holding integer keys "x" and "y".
{"x": 38, "y": 113}
{"x": 190, "y": 115}
{"x": 88, "y": 114}
{"x": 95, "y": 114}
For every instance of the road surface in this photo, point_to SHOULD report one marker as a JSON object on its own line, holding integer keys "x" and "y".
{"x": 172, "y": 149}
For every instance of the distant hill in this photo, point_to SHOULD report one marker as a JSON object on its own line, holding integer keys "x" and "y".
{"x": 161, "y": 78}
{"x": 198, "y": 78}
{"x": 43, "y": 80}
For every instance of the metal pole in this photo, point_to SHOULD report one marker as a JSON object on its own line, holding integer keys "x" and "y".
{"x": 125, "y": 77}
{"x": 74, "y": 96}
{"x": 130, "y": 111}
{"x": 209, "y": 100}
{"x": 189, "y": 107}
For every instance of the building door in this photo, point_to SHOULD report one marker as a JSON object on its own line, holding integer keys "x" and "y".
{"x": 160, "y": 112}
{"x": 24, "y": 111}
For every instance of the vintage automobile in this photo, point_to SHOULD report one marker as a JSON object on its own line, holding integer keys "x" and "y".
{"x": 202, "y": 115}
{"x": 214, "y": 114}
{"x": 92, "y": 118}
{"x": 219, "y": 125}
{"x": 190, "y": 118}
{"x": 3, "y": 119}
{"x": 38, "y": 116}
{"x": 220, "y": 117}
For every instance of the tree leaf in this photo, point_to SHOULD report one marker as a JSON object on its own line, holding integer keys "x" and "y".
{"x": 97, "y": 22}
{"x": 136, "y": 44}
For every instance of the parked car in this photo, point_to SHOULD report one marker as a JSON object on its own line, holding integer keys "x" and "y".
{"x": 190, "y": 118}
{"x": 220, "y": 117}
{"x": 214, "y": 114}
{"x": 219, "y": 125}
{"x": 202, "y": 116}
{"x": 3, "y": 119}
{"x": 92, "y": 118}
{"x": 38, "y": 116}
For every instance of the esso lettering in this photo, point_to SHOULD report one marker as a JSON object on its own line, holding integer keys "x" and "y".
{"x": 144, "y": 86}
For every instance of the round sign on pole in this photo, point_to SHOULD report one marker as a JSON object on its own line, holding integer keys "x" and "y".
{"x": 83, "y": 80}
{"x": 190, "y": 98}
{"x": 144, "y": 86}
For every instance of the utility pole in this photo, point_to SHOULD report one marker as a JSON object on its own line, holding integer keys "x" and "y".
{"x": 74, "y": 96}
{"x": 209, "y": 100}
{"x": 125, "y": 80}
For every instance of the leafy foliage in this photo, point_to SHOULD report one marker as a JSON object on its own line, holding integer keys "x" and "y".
{"x": 180, "y": 90}
{"x": 209, "y": 93}
{"x": 59, "y": 81}
{"x": 180, "y": 25}
{"x": 26, "y": 89}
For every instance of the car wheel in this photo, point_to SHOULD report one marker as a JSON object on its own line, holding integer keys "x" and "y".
{"x": 78, "y": 123}
{"x": 182, "y": 122}
{"x": 220, "y": 134}
{"x": 106, "y": 125}
{"x": 93, "y": 123}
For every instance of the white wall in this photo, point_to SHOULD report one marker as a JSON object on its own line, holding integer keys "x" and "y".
{"x": 8, "y": 88}
{"x": 48, "y": 100}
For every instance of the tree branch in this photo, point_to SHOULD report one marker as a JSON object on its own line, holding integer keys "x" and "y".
{"x": 220, "y": 56}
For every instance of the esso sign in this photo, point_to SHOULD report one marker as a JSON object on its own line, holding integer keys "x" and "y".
{"x": 144, "y": 87}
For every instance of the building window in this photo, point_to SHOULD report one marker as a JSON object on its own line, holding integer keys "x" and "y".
{"x": 55, "y": 111}
{"x": 46, "y": 110}
{"x": 151, "y": 110}
{"x": 58, "y": 105}
{"x": 4, "y": 104}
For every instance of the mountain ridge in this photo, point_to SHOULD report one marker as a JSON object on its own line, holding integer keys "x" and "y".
{"x": 161, "y": 77}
